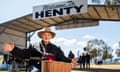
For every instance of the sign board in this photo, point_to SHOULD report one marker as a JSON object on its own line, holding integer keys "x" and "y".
{"x": 60, "y": 9}
{"x": 77, "y": 24}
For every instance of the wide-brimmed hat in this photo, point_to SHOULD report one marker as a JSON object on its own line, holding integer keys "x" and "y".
{"x": 48, "y": 30}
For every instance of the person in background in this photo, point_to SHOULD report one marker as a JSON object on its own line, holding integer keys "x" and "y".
{"x": 10, "y": 62}
{"x": 83, "y": 60}
{"x": 80, "y": 61}
{"x": 85, "y": 51}
{"x": 46, "y": 48}
{"x": 71, "y": 55}
{"x": 87, "y": 61}
{"x": 86, "y": 58}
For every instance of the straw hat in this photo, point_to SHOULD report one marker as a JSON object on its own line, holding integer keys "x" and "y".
{"x": 46, "y": 30}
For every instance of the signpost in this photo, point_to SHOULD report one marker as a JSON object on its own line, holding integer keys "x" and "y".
{"x": 60, "y": 9}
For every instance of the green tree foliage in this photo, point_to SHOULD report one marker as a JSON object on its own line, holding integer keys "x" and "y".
{"x": 106, "y": 53}
{"x": 118, "y": 52}
{"x": 109, "y": 3}
{"x": 98, "y": 48}
{"x": 93, "y": 53}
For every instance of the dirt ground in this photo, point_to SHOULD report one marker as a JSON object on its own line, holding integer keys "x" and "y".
{"x": 100, "y": 68}
{"x": 96, "y": 68}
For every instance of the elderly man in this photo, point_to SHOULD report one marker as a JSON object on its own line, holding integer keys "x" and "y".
{"x": 46, "y": 48}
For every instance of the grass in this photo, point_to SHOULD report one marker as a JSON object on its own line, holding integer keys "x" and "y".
{"x": 4, "y": 70}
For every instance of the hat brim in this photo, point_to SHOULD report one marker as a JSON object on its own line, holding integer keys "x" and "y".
{"x": 41, "y": 33}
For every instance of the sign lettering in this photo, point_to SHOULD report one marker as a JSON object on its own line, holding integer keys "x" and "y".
{"x": 59, "y": 9}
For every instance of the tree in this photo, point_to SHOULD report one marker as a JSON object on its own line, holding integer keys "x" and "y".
{"x": 109, "y": 3}
{"x": 106, "y": 53}
{"x": 98, "y": 48}
{"x": 118, "y": 52}
{"x": 93, "y": 53}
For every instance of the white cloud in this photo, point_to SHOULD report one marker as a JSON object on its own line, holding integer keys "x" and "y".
{"x": 82, "y": 43}
{"x": 115, "y": 46}
{"x": 65, "y": 41}
{"x": 88, "y": 37}
{"x": 60, "y": 40}
{"x": 69, "y": 42}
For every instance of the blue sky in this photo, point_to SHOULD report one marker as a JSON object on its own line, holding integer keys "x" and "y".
{"x": 76, "y": 38}
{"x": 68, "y": 39}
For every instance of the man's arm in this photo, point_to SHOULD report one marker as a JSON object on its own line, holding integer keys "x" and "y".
{"x": 22, "y": 53}
{"x": 26, "y": 53}
{"x": 62, "y": 57}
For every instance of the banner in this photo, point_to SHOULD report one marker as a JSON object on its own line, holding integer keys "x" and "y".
{"x": 60, "y": 9}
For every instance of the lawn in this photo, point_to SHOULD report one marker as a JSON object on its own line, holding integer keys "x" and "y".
{"x": 2, "y": 70}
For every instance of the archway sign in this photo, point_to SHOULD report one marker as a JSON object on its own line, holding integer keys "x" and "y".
{"x": 68, "y": 7}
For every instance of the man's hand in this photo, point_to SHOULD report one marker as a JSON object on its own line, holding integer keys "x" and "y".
{"x": 74, "y": 62}
{"x": 8, "y": 47}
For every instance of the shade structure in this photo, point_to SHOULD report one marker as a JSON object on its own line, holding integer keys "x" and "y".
{"x": 17, "y": 29}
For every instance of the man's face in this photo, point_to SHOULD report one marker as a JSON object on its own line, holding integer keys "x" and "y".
{"x": 46, "y": 37}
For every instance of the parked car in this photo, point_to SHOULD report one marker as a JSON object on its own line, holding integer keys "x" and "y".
{"x": 117, "y": 60}
{"x": 107, "y": 61}
{"x": 98, "y": 60}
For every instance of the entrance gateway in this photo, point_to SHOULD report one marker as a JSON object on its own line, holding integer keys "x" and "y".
{"x": 17, "y": 30}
